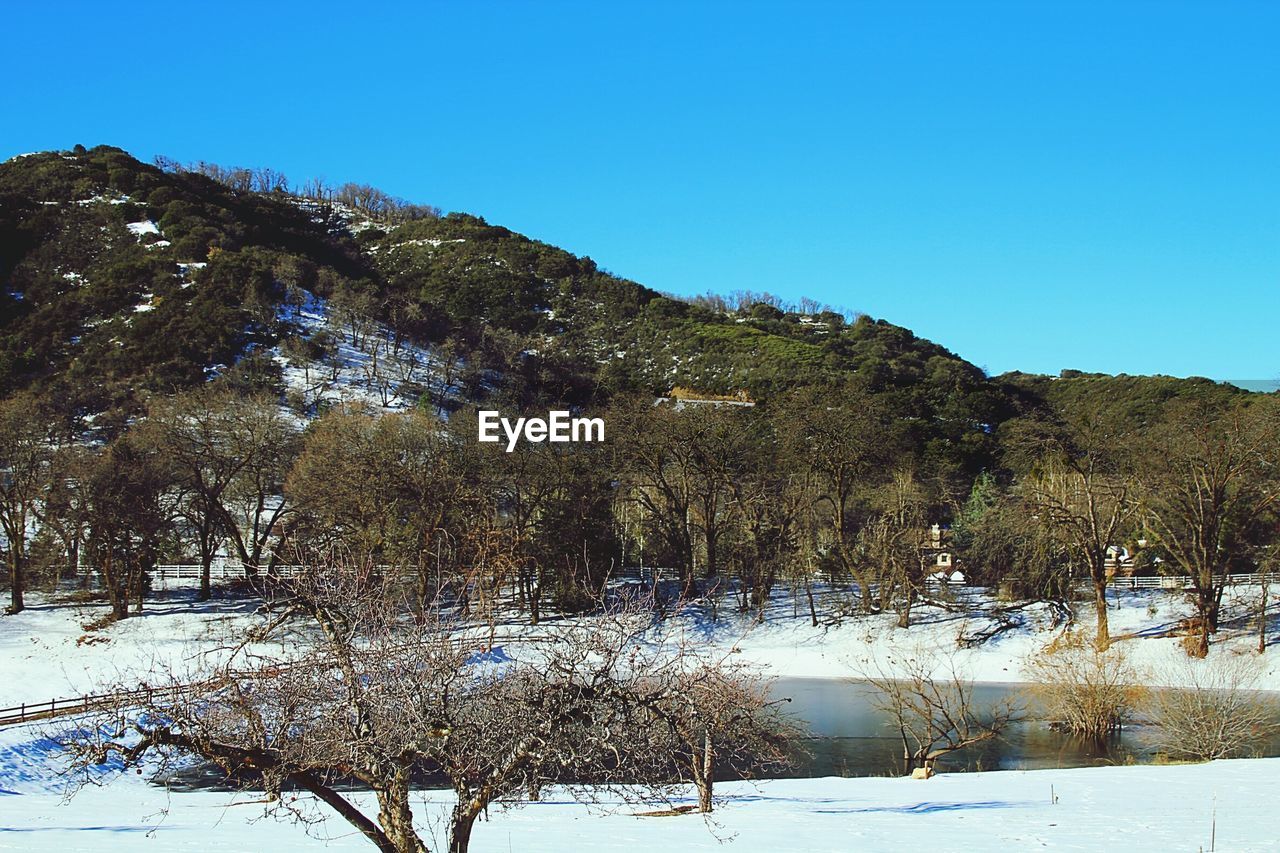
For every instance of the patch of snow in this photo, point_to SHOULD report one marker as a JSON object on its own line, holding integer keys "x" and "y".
{"x": 366, "y": 369}
{"x": 426, "y": 241}
{"x": 101, "y": 199}
{"x": 146, "y": 226}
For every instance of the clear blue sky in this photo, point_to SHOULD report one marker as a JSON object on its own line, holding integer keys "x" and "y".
{"x": 1036, "y": 186}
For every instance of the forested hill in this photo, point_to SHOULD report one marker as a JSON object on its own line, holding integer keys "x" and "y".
{"x": 123, "y": 280}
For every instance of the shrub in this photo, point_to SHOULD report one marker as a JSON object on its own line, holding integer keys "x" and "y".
{"x": 1090, "y": 693}
{"x": 1217, "y": 712}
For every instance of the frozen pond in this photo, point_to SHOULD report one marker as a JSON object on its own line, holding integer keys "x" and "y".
{"x": 851, "y": 737}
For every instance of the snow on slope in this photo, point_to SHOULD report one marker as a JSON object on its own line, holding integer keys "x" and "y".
{"x": 46, "y": 651}
{"x": 364, "y": 366}
{"x": 1143, "y": 623}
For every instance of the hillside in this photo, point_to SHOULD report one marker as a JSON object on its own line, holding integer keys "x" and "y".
{"x": 122, "y": 280}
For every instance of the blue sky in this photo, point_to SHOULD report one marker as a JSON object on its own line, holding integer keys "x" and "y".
{"x": 1036, "y": 186}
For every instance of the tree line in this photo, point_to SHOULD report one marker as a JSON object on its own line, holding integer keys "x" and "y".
{"x": 821, "y": 487}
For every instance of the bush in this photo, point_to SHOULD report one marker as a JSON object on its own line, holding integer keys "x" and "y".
{"x": 1089, "y": 693}
{"x": 1218, "y": 712}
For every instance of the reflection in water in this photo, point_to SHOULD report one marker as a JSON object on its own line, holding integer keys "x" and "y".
{"x": 850, "y": 737}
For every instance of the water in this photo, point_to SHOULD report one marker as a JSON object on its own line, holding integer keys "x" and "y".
{"x": 849, "y": 736}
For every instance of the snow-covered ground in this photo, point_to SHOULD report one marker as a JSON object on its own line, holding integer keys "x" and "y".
{"x": 376, "y": 374}
{"x": 47, "y": 651}
{"x": 50, "y": 651}
{"x": 1147, "y": 808}
{"x": 1143, "y": 624}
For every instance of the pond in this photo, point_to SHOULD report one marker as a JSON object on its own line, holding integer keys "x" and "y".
{"x": 849, "y": 736}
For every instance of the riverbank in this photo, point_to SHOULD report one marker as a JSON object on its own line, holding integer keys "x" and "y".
{"x": 1144, "y": 625}
{"x": 48, "y": 651}
{"x": 1106, "y": 808}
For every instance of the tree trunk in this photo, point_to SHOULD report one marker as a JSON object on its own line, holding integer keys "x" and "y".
{"x": 464, "y": 818}
{"x": 1102, "y": 641}
{"x": 17, "y": 582}
{"x": 904, "y": 613}
{"x": 813, "y": 608}
{"x": 353, "y": 815}
{"x": 704, "y": 777}
{"x": 395, "y": 815}
{"x": 1201, "y": 649}
{"x": 138, "y": 581}
{"x": 1262, "y": 615}
{"x": 1215, "y": 608}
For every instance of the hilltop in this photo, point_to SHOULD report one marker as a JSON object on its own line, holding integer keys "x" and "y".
{"x": 123, "y": 280}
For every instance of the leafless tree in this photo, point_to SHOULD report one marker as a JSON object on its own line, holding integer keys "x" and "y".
{"x": 932, "y": 705}
{"x": 895, "y": 543}
{"x": 1208, "y": 479}
{"x": 1080, "y": 488}
{"x": 718, "y": 718}
{"x": 254, "y": 503}
{"x": 24, "y": 464}
{"x": 1217, "y": 711}
{"x": 373, "y": 691}
{"x": 841, "y": 438}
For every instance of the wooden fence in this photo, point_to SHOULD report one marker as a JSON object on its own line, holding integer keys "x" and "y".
{"x": 1184, "y": 581}
{"x": 222, "y": 570}
{"x": 48, "y": 708}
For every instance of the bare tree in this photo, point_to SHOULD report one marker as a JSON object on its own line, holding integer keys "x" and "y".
{"x": 1217, "y": 711}
{"x": 64, "y": 510}
{"x": 1209, "y": 477}
{"x": 842, "y": 438}
{"x": 718, "y": 717}
{"x": 210, "y": 440}
{"x": 265, "y": 441}
{"x": 372, "y": 690}
{"x": 126, "y": 515}
{"x": 932, "y": 705}
{"x": 1079, "y": 486}
{"x": 895, "y": 542}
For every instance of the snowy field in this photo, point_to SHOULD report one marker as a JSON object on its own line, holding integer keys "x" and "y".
{"x": 1143, "y": 624}
{"x": 1147, "y": 808}
{"x": 47, "y": 652}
